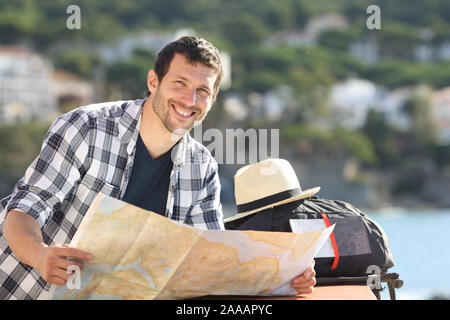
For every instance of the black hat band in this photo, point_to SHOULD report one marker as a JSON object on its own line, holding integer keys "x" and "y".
{"x": 277, "y": 197}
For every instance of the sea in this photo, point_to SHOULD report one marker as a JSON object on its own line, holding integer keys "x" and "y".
{"x": 420, "y": 244}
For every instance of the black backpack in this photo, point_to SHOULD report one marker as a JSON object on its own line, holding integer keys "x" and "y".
{"x": 359, "y": 243}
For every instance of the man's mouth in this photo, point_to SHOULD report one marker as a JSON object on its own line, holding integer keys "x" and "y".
{"x": 184, "y": 113}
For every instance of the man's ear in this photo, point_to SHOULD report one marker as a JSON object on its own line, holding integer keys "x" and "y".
{"x": 152, "y": 80}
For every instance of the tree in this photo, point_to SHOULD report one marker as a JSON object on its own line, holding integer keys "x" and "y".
{"x": 77, "y": 62}
{"x": 129, "y": 77}
{"x": 383, "y": 137}
{"x": 418, "y": 108}
{"x": 20, "y": 144}
{"x": 244, "y": 29}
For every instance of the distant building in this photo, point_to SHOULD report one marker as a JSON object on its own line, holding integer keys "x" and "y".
{"x": 30, "y": 88}
{"x": 70, "y": 90}
{"x": 25, "y": 79}
{"x": 269, "y": 106}
{"x": 276, "y": 101}
{"x": 235, "y": 107}
{"x": 329, "y": 21}
{"x": 430, "y": 53}
{"x": 350, "y": 101}
{"x": 423, "y": 53}
{"x": 365, "y": 51}
{"x": 443, "y": 51}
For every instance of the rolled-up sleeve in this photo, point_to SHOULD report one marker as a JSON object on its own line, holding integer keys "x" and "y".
{"x": 53, "y": 174}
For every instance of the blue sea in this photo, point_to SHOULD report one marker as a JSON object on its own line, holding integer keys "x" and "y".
{"x": 420, "y": 244}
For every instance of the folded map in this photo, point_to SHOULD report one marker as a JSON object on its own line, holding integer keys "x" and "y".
{"x": 138, "y": 254}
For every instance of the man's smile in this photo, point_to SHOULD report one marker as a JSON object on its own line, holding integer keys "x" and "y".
{"x": 182, "y": 112}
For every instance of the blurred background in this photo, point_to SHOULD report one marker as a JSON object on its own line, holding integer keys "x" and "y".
{"x": 363, "y": 113}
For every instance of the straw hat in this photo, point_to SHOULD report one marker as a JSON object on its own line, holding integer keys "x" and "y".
{"x": 266, "y": 184}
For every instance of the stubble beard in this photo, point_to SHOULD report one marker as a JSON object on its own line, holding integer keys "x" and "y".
{"x": 163, "y": 112}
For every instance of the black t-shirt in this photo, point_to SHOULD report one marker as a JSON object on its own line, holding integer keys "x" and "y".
{"x": 148, "y": 186}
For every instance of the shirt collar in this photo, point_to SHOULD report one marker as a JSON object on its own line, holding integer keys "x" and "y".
{"x": 179, "y": 152}
{"x": 129, "y": 123}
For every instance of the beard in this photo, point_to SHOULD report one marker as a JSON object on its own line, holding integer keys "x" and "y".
{"x": 162, "y": 110}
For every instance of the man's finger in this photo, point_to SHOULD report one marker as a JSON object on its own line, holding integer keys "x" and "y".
{"x": 65, "y": 263}
{"x": 305, "y": 284}
{"x": 60, "y": 273}
{"x": 74, "y": 253}
{"x": 307, "y": 275}
{"x": 56, "y": 280}
{"x": 310, "y": 274}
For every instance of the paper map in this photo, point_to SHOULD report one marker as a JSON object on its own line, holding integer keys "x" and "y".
{"x": 138, "y": 254}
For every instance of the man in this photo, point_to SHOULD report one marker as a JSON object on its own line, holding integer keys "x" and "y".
{"x": 138, "y": 151}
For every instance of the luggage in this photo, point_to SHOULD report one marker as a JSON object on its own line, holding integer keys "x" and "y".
{"x": 357, "y": 249}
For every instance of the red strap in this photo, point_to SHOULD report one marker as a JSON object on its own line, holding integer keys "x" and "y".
{"x": 333, "y": 242}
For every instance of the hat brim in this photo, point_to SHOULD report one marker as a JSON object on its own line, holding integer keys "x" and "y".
{"x": 305, "y": 194}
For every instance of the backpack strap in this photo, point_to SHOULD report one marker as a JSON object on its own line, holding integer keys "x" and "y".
{"x": 333, "y": 242}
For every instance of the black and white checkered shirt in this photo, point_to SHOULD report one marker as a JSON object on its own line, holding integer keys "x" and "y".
{"x": 91, "y": 150}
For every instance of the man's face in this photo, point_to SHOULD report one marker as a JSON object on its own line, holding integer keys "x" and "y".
{"x": 184, "y": 95}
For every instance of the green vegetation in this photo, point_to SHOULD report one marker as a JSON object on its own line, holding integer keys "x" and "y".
{"x": 242, "y": 27}
{"x": 22, "y": 143}
{"x": 333, "y": 142}
{"x": 130, "y": 77}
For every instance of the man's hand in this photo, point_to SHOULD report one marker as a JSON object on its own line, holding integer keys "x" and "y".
{"x": 305, "y": 282}
{"x": 52, "y": 262}
{"x": 25, "y": 240}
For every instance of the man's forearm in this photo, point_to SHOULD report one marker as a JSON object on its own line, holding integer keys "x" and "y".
{"x": 24, "y": 236}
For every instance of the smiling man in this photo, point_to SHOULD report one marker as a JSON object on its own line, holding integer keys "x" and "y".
{"x": 139, "y": 151}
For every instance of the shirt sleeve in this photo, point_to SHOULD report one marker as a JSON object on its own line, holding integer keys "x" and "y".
{"x": 54, "y": 172}
{"x": 207, "y": 211}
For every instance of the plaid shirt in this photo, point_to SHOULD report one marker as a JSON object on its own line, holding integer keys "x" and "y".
{"x": 91, "y": 150}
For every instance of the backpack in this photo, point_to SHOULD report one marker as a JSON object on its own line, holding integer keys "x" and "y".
{"x": 358, "y": 243}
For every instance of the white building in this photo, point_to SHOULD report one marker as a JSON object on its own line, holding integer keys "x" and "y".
{"x": 350, "y": 101}
{"x": 70, "y": 89}
{"x": 366, "y": 51}
{"x": 235, "y": 107}
{"x": 25, "y": 80}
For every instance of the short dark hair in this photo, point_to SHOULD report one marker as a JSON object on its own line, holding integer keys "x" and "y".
{"x": 195, "y": 50}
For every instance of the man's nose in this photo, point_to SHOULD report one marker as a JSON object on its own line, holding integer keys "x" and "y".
{"x": 189, "y": 97}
